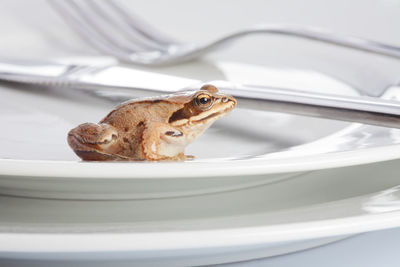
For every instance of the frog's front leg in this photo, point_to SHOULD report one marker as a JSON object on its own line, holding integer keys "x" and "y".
{"x": 163, "y": 142}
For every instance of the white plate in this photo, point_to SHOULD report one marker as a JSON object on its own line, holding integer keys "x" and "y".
{"x": 35, "y": 160}
{"x": 310, "y": 210}
{"x": 247, "y": 148}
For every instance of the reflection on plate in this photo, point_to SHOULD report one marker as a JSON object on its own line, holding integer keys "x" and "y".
{"x": 246, "y": 149}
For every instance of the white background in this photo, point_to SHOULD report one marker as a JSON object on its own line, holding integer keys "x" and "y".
{"x": 39, "y": 33}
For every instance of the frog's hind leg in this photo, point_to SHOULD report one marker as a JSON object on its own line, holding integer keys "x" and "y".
{"x": 91, "y": 141}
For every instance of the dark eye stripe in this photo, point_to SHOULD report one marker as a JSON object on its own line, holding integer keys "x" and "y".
{"x": 177, "y": 115}
{"x": 193, "y": 108}
{"x": 184, "y": 113}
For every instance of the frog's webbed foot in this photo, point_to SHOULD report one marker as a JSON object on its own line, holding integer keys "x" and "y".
{"x": 189, "y": 157}
{"x": 179, "y": 157}
{"x": 183, "y": 157}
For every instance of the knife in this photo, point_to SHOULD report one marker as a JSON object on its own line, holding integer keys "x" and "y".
{"x": 103, "y": 80}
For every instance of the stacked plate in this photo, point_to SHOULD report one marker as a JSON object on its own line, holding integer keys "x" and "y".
{"x": 261, "y": 184}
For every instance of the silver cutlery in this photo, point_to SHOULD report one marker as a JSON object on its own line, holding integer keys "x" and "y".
{"x": 103, "y": 80}
{"x": 135, "y": 41}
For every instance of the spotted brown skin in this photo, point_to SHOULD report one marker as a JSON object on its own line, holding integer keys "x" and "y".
{"x": 151, "y": 129}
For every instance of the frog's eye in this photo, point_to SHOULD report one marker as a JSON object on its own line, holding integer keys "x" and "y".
{"x": 203, "y": 101}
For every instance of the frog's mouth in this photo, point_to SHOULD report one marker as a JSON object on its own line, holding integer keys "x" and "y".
{"x": 224, "y": 110}
{"x": 216, "y": 114}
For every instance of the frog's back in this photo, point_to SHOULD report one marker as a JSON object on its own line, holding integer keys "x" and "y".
{"x": 131, "y": 119}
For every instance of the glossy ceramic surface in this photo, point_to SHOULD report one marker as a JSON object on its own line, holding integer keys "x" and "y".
{"x": 244, "y": 224}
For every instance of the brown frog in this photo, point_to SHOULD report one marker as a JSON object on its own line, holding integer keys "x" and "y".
{"x": 151, "y": 129}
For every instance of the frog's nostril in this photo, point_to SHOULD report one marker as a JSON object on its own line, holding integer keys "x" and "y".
{"x": 225, "y": 99}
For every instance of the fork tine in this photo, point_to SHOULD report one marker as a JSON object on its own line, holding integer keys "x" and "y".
{"x": 89, "y": 35}
{"x": 98, "y": 41}
{"x": 100, "y": 25}
{"x": 131, "y": 34}
{"x": 82, "y": 28}
{"x": 137, "y": 23}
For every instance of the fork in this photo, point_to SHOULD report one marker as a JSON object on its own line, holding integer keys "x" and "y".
{"x": 110, "y": 29}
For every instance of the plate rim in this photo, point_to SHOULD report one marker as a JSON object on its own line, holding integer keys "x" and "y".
{"x": 198, "y": 239}
{"x": 160, "y": 170}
